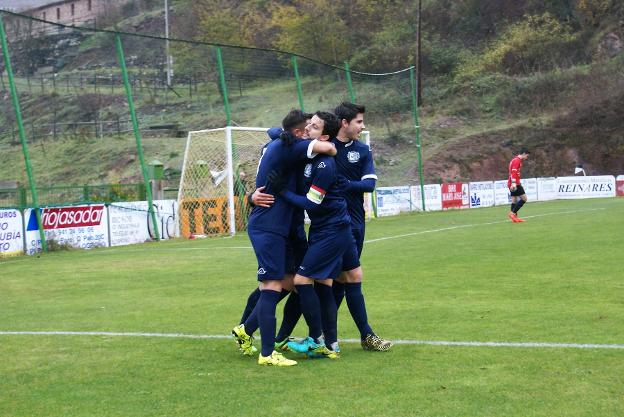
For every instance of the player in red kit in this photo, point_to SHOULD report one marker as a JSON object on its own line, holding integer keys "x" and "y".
{"x": 518, "y": 196}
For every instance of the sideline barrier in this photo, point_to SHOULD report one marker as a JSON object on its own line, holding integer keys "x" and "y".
{"x": 455, "y": 195}
{"x": 458, "y": 195}
{"x": 585, "y": 187}
{"x": 481, "y": 194}
{"x": 86, "y": 226}
{"x": 97, "y": 225}
{"x": 11, "y": 232}
{"x": 547, "y": 189}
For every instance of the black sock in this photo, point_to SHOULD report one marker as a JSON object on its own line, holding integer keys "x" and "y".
{"x": 518, "y": 206}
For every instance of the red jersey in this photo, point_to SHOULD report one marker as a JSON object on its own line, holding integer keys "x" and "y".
{"x": 514, "y": 171}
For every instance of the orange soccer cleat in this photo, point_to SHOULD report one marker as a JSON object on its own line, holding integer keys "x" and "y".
{"x": 512, "y": 217}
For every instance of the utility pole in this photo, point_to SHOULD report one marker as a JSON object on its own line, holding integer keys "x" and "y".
{"x": 167, "y": 43}
{"x": 419, "y": 55}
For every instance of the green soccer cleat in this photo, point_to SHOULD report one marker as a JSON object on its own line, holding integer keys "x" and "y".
{"x": 283, "y": 345}
{"x": 376, "y": 343}
{"x": 275, "y": 359}
{"x": 245, "y": 342}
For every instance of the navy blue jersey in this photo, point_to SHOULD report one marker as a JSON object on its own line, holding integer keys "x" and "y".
{"x": 320, "y": 184}
{"x": 298, "y": 217}
{"x": 355, "y": 162}
{"x": 278, "y": 156}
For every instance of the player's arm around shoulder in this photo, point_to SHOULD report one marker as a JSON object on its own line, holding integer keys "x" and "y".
{"x": 323, "y": 147}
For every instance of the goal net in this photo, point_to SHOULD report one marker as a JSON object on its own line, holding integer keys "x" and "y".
{"x": 219, "y": 169}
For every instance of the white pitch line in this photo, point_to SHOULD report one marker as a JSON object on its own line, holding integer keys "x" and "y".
{"x": 398, "y": 342}
{"x": 463, "y": 226}
{"x": 207, "y": 248}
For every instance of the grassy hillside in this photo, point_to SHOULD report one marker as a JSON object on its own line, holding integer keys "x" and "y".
{"x": 475, "y": 114}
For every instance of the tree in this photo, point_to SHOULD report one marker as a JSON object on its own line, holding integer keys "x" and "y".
{"x": 312, "y": 28}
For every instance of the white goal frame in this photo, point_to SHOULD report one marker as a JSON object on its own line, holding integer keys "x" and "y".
{"x": 227, "y": 131}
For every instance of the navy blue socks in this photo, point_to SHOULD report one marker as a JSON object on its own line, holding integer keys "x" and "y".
{"x": 266, "y": 318}
{"x": 357, "y": 307}
{"x": 328, "y": 313}
{"x": 252, "y": 300}
{"x": 311, "y": 309}
{"x": 339, "y": 292}
{"x": 292, "y": 313}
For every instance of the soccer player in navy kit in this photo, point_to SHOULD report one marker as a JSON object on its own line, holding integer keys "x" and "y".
{"x": 355, "y": 163}
{"x": 329, "y": 237}
{"x": 268, "y": 229}
{"x": 296, "y": 247}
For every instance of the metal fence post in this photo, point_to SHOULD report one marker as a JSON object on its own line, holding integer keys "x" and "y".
{"x": 22, "y": 133}
{"x": 137, "y": 134}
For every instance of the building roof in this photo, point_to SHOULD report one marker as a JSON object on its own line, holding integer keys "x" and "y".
{"x": 24, "y": 5}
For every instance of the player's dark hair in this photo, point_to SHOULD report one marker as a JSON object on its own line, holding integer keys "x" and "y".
{"x": 524, "y": 150}
{"x": 348, "y": 111}
{"x": 331, "y": 124}
{"x": 293, "y": 119}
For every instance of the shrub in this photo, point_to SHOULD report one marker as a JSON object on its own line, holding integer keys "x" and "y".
{"x": 537, "y": 43}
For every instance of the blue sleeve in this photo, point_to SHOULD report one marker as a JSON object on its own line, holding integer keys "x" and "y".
{"x": 368, "y": 166}
{"x": 301, "y": 150}
{"x": 364, "y": 186}
{"x": 301, "y": 201}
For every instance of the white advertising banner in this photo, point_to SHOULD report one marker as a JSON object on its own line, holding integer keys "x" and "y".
{"x": 546, "y": 188}
{"x": 11, "y": 233}
{"x": 433, "y": 197}
{"x": 481, "y": 194}
{"x": 530, "y": 188}
{"x": 393, "y": 200}
{"x": 585, "y": 187}
{"x": 131, "y": 223}
{"x": 83, "y": 227}
{"x": 501, "y": 193}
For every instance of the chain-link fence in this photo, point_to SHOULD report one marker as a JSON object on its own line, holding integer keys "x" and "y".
{"x": 97, "y": 105}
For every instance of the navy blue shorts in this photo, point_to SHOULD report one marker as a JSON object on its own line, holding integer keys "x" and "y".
{"x": 324, "y": 256}
{"x": 296, "y": 248}
{"x": 270, "y": 249}
{"x": 351, "y": 258}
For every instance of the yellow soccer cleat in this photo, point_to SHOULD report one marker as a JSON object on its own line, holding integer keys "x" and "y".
{"x": 276, "y": 359}
{"x": 245, "y": 342}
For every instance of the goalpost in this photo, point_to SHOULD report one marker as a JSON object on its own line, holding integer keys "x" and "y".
{"x": 218, "y": 170}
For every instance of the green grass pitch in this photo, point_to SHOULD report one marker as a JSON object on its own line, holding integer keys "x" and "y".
{"x": 456, "y": 276}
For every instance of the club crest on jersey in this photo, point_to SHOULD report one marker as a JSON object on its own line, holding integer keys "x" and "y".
{"x": 307, "y": 171}
{"x": 353, "y": 156}
{"x": 321, "y": 165}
